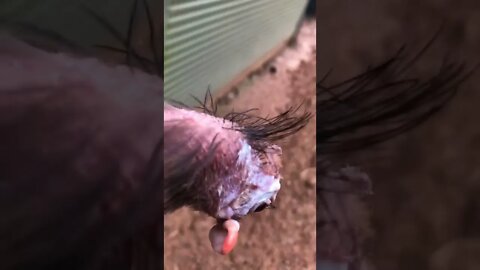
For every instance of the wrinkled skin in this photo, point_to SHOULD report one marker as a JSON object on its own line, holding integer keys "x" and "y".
{"x": 237, "y": 180}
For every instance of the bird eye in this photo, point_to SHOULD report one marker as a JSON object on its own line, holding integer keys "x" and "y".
{"x": 261, "y": 207}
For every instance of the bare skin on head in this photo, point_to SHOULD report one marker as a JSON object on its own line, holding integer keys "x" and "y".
{"x": 237, "y": 181}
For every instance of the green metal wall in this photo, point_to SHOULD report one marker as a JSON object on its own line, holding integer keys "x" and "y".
{"x": 209, "y": 42}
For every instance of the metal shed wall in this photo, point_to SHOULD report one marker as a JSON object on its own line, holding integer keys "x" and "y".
{"x": 209, "y": 42}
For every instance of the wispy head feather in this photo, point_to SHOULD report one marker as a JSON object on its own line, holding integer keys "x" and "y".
{"x": 383, "y": 102}
{"x": 259, "y": 130}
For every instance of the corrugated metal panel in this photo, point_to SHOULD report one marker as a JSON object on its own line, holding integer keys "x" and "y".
{"x": 209, "y": 42}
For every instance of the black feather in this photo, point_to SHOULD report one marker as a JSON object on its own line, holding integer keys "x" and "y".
{"x": 383, "y": 102}
{"x": 259, "y": 131}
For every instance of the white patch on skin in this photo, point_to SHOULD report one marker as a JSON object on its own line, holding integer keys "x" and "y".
{"x": 245, "y": 154}
{"x": 234, "y": 199}
{"x": 244, "y": 203}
